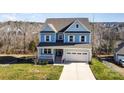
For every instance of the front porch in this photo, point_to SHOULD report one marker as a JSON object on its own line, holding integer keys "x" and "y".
{"x": 54, "y": 55}
{"x": 58, "y": 56}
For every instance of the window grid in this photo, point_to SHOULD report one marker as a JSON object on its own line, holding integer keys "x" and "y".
{"x": 47, "y": 51}
{"x": 47, "y": 38}
{"x": 82, "y": 38}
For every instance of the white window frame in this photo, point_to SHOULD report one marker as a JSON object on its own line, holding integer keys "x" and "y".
{"x": 47, "y": 51}
{"x": 49, "y": 38}
{"x": 73, "y": 38}
{"x": 77, "y": 25}
{"x": 84, "y": 38}
{"x": 59, "y": 36}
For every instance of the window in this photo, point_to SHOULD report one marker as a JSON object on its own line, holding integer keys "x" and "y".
{"x": 79, "y": 53}
{"x": 71, "y": 38}
{"x": 77, "y": 25}
{"x": 84, "y": 53}
{"x": 82, "y": 39}
{"x": 47, "y": 51}
{"x": 73, "y": 53}
{"x": 60, "y": 37}
{"x": 47, "y": 38}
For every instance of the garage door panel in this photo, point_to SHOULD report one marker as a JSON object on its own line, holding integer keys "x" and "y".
{"x": 76, "y": 55}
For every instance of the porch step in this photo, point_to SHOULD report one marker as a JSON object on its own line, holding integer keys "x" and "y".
{"x": 58, "y": 60}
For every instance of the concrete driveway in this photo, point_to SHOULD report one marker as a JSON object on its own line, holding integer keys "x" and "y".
{"x": 77, "y": 71}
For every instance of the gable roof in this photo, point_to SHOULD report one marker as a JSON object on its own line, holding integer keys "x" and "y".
{"x": 79, "y": 23}
{"x": 50, "y": 26}
{"x": 120, "y": 49}
{"x": 61, "y": 24}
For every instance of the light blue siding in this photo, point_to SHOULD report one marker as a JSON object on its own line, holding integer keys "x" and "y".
{"x": 77, "y": 37}
{"x": 53, "y": 37}
{"x": 81, "y": 27}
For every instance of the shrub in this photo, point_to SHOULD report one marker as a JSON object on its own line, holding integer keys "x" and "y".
{"x": 43, "y": 62}
{"x": 32, "y": 46}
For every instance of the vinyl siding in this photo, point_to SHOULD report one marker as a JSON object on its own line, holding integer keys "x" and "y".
{"x": 53, "y": 37}
{"x": 81, "y": 27}
{"x": 77, "y": 37}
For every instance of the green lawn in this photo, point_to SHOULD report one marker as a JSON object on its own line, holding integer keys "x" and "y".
{"x": 102, "y": 72}
{"x": 30, "y": 72}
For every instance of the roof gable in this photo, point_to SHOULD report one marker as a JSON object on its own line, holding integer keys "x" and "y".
{"x": 77, "y": 26}
{"x": 61, "y": 24}
{"x": 48, "y": 28}
{"x": 120, "y": 49}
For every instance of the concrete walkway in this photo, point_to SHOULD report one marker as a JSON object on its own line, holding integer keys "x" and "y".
{"x": 77, "y": 71}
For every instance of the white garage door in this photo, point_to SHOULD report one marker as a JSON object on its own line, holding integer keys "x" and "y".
{"x": 76, "y": 56}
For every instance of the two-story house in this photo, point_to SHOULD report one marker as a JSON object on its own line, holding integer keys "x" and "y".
{"x": 65, "y": 39}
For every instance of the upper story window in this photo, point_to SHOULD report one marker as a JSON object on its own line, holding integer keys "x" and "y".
{"x": 77, "y": 25}
{"x": 47, "y": 51}
{"x": 71, "y": 38}
{"x": 47, "y": 39}
{"x": 60, "y": 37}
{"x": 82, "y": 38}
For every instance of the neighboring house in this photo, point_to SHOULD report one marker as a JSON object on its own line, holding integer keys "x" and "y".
{"x": 119, "y": 53}
{"x": 65, "y": 39}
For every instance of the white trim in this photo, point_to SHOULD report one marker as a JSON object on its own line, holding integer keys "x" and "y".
{"x": 84, "y": 38}
{"x": 50, "y": 26}
{"x": 39, "y": 36}
{"x": 90, "y": 39}
{"x": 47, "y": 50}
{"x": 49, "y": 38}
{"x": 73, "y": 38}
{"x": 64, "y": 38}
{"x": 83, "y": 26}
{"x": 60, "y": 35}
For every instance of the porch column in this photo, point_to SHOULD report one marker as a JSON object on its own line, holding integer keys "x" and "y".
{"x": 53, "y": 50}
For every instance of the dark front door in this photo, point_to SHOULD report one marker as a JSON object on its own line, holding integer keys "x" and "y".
{"x": 59, "y": 52}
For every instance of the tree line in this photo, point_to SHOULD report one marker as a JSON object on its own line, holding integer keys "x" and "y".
{"x": 19, "y": 37}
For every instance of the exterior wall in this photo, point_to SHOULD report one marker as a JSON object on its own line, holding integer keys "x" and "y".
{"x": 43, "y": 56}
{"x": 77, "y": 37}
{"x": 52, "y": 56}
{"x": 42, "y": 37}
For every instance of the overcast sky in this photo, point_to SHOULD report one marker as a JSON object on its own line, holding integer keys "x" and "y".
{"x": 41, "y": 17}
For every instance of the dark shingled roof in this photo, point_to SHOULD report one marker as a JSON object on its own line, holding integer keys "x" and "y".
{"x": 61, "y": 24}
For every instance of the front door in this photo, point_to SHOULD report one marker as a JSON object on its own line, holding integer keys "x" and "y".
{"x": 59, "y": 52}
